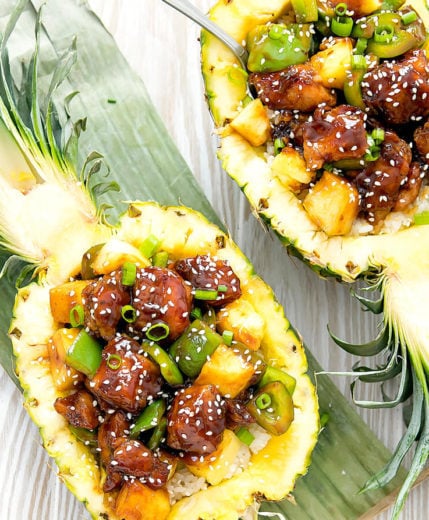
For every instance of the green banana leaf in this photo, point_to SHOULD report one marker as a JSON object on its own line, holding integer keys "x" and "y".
{"x": 124, "y": 127}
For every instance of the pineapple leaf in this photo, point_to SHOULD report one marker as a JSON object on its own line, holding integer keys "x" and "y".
{"x": 382, "y": 373}
{"x": 387, "y": 402}
{"x": 375, "y": 306}
{"x": 371, "y": 348}
{"x": 385, "y": 475}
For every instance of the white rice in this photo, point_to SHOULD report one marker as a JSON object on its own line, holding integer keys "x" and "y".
{"x": 184, "y": 484}
{"x": 261, "y": 438}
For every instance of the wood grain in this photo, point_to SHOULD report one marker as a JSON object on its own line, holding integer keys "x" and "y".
{"x": 162, "y": 46}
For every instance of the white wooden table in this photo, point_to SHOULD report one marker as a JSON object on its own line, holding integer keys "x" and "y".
{"x": 163, "y": 48}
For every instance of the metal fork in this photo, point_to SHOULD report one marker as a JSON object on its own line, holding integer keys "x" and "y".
{"x": 189, "y": 10}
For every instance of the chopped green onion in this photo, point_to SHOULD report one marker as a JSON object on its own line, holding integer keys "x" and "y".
{"x": 263, "y": 401}
{"x": 341, "y": 9}
{"x": 149, "y": 246}
{"x": 358, "y": 62}
{"x": 129, "y": 273}
{"x": 227, "y": 336}
{"x": 279, "y": 144}
{"x": 205, "y": 294}
{"x": 420, "y": 219}
{"x": 158, "y": 331}
{"x": 114, "y": 361}
{"x": 384, "y": 34}
{"x": 245, "y": 436}
{"x": 408, "y": 17}
{"x": 378, "y": 135}
{"x": 77, "y": 316}
{"x": 342, "y": 26}
{"x": 222, "y": 288}
{"x": 160, "y": 259}
{"x": 128, "y": 313}
{"x": 84, "y": 354}
{"x": 196, "y": 313}
{"x": 361, "y": 45}
{"x": 372, "y": 154}
{"x": 149, "y": 418}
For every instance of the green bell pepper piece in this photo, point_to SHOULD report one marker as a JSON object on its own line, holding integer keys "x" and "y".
{"x": 388, "y": 36}
{"x": 352, "y": 88}
{"x": 86, "y": 270}
{"x": 84, "y": 354}
{"x": 272, "y": 408}
{"x": 158, "y": 434}
{"x": 274, "y": 47}
{"x": 169, "y": 370}
{"x": 149, "y": 418}
{"x": 194, "y": 346}
{"x": 305, "y": 10}
{"x": 275, "y": 374}
{"x": 88, "y": 437}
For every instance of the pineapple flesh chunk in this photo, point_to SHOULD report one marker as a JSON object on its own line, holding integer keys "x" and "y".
{"x": 139, "y": 502}
{"x": 65, "y": 377}
{"x": 241, "y": 318}
{"x": 218, "y": 465}
{"x": 110, "y": 256}
{"x": 291, "y": 169}
{"x": 64, "y": 297}
{"x": 228, "y": 370}
{"x": 253, "y": 123}
{"x": 333, "y": 204}
{"x": 333, "y": 63}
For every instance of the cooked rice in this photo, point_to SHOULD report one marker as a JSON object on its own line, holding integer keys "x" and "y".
{"x": 184, "y": 483}
{"x": 261, "y": 438}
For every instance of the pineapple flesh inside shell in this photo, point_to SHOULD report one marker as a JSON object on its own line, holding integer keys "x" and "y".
{"x": 182, "y": 232}
{"x": 315, "y": 210}
{"x": 49, "y": 218}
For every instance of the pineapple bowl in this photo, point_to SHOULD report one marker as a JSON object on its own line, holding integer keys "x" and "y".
{"x": 342, "y": 176}
{"x": 118, "y": 112}
{"x": 161, "y": 371}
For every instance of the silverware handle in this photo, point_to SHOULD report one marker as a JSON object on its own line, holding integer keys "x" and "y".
{"x": 189, "y": 10}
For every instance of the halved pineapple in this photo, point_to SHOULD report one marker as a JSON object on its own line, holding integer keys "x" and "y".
{"x": 51, "y": 221}
{"x": 389, "y": 250}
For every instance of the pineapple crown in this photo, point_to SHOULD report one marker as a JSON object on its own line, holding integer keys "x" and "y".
{"x": 39, "y": 176}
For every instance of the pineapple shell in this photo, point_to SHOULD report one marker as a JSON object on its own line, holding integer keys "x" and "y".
{"x": 396, "y": 264}
{"x": 49, "y": 218}
{"x": 183, "y": 232}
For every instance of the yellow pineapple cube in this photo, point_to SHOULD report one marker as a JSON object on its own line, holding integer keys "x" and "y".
{"x": 64, "y": 297}
{"x": 228, "y": 370}
{"x": 333, "y": 204}
{"x": 218, "y": 465}
{"x": 65, "y": 377}
{"x": 243, "y": 321}
{"x": 253, "y": 123}
{"x": 136, "y": 501}
{"x": 291, "y": 169}
{"x": 110, "y": 256}
{"x": 333, "y": 63}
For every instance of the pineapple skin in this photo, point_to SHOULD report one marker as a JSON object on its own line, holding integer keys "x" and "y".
{"x": 182, "y": 232}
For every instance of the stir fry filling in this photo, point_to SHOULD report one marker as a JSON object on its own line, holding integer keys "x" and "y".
{"x": 345, "y": 103}
{"x": 151, "y": 375}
